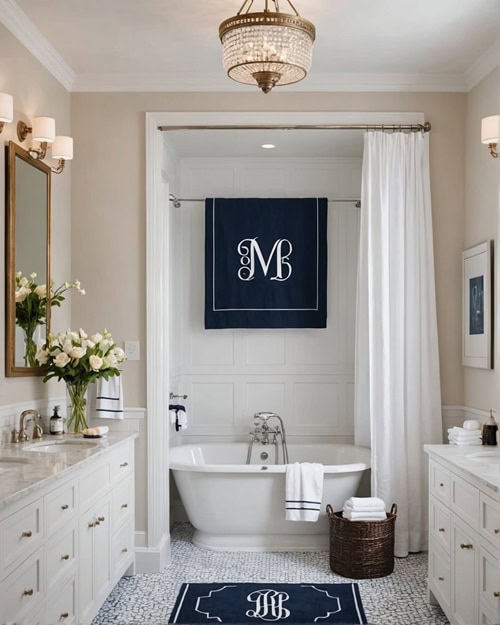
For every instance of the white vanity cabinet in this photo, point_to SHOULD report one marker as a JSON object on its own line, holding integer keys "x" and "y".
{"x": 464, "y": 541}
{"x": 65, "y": 544}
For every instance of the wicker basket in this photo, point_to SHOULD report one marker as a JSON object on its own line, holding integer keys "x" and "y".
{"x": 361, "y": 549}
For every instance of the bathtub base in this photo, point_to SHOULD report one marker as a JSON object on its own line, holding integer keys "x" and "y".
{"x": 271, "y": 542}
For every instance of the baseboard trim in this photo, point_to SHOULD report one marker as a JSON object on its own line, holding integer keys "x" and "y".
{"x": 153, "y": 559}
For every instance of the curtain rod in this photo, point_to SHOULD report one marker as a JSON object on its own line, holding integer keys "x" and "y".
{"x": 426, "y": 127}
{"x": 177, "y": 201}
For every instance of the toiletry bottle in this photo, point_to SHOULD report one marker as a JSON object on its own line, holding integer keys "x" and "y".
{"x": 490, "y": 429}
{"x": 56, "y": 422}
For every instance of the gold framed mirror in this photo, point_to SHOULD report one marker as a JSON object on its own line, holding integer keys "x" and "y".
{"x": 27, "y": 293}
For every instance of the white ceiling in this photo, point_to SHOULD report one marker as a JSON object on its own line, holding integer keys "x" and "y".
{"x": 173, "y": 45}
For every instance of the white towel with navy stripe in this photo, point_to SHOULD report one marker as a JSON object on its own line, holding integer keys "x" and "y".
{"x": 265, "y": 262}
{"x": 109, "y": 398}
{"x": 304, "y": 491}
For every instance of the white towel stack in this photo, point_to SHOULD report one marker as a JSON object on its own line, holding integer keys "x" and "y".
{"x": 465, "y": 437}
{"x": 364, "y": 509}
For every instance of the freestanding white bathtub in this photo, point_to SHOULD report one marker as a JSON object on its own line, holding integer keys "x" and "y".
{"x": 238, "y": 507}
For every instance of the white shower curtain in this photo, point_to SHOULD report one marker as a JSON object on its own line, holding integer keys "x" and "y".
{"x": 397, "y": 404}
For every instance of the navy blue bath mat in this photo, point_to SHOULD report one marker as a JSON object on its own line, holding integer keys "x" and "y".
{"x": 268, "y": 603}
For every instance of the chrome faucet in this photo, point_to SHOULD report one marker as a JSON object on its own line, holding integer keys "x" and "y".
{"x": 28, "y": 415}
{"x": 266, "y": 434}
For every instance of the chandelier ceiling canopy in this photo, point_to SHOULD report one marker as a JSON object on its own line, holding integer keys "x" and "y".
{"x": 269, "y": 48}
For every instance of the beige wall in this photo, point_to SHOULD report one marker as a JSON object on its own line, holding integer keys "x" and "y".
{"x": 108, "y": 204}
{"x": 482, "y": 208}
{"x": 35, "y": 92}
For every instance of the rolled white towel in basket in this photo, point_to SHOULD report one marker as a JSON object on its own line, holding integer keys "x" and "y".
{"x": 368, "y": 515}
{"x": 362, "y": 504}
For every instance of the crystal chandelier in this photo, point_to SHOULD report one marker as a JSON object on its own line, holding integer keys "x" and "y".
{"x": 268, "y": 49}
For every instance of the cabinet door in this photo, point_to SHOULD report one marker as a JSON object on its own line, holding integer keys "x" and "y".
{"x": 489, "y": 581}
{"x": 102, "y": 547}
{"x": 465, "y": 556}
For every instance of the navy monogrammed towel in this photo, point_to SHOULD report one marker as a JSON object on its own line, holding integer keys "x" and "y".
{"x": 265, "y": 263}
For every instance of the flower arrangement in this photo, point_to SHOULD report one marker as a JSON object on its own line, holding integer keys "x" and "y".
{"x": 79, "y": 360}
{"x": 31, "y": 308}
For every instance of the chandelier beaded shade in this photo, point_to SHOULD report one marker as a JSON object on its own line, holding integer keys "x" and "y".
{"x": 267, "y": 49}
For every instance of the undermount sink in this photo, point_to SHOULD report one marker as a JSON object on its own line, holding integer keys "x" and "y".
{"x": 486, "y": 457}
{"x": 56, "y": 447}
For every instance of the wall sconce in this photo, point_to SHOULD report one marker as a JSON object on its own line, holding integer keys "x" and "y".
{"x": 44, "y": 131}
{"x": 6, "y": 109}
{"x": 490, "y": 133}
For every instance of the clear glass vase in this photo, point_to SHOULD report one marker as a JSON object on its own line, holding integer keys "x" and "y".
{"x": 76, "y": 393}
{"x": 30, "y": 347}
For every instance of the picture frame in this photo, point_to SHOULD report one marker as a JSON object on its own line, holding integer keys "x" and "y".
{"x": 477, "y": 302}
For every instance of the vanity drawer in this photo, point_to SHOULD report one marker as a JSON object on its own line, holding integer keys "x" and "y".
{"x": 440, "y": 575}
{"x": 440, "y": 524}
{"x": 439, "y": 482}
{"x": 121, "y": 463}
{"x": 94, "y": 483}
{"x": 122, "y": 546}
{"x": 21, "y": 534}
{"x": 489, "y": 519}
{"x": 60, "y": 507}
{"x": 23, "y": 589}
{"x": 489, "y": 581}
{"x": 464, "y": 501}
{"x": 61, "y": 607}
{"x": 122, "y": 502}
{"x": 61, "y": 557}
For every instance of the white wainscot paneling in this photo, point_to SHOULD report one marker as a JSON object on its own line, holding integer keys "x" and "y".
{"x": 263, "y": 397}
{"x": 313, "y": 347}
{"x": 264, "y": 347}
{"x": 212, "y": 404}
{"x": 212, "y": 347}
{"x": 321, "y": 405}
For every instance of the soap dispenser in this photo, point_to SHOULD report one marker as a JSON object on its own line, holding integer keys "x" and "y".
{"x": 56, "y": 422}
{"x": 490, "y": 429}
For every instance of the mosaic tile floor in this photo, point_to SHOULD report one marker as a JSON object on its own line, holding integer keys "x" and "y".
{"x": 399, "y": 599}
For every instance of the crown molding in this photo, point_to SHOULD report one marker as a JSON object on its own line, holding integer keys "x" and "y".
{"x": 483, "y": 65}
{"x": 218, "y": 82}
{"x": 19, "y": 24}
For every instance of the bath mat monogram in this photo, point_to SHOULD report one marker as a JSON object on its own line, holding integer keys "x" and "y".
{"x": 259, "y": 603}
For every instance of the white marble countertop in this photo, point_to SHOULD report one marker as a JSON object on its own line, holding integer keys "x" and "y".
{"x": 23, "y": 471}
{"x": 481, "y": 462}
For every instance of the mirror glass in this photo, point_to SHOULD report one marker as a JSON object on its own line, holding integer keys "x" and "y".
{"x": 28, "y": 261}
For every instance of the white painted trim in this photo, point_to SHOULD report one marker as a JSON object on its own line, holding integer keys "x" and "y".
{"x": 140, "y": 539}
{"x": 152, "y": 560}
{"x": 19, "y": 24}
{"x": 315, "y": 82}
{"x": 157, "y": 324}
{"x": 483, "y": 65}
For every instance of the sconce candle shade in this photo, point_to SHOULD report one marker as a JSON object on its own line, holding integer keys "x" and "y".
{"x": 490, "y": 129}
{"x": 6, "y": 108}
{"x": 63, "y": 148}
{"x": 44, "y": 129}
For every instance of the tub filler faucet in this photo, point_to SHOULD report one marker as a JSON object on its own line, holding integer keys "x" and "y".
{"x": 267, "y": 434}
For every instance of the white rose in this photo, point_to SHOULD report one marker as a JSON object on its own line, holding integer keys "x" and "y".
{"x": 88, "y": 343}
{"x": 104, "y": 344}
{"x": 110, "y": 361}
{"x": 19, "y": 274}
{"x": 24, "y": 281}
{"x": 95, "y": 362}
{"x": 22, "y": 294}
{"x": 119, "y": 353}
{"x": 62, "y": 359}
{"x": 77, "y": 352}
{"x": 67, "y": 346}
{"x": 33, "y": 275}
{"x": 75, "y": 336}
{"x": 83, "y": 334}
{"x": 41, "y": 291}
{"x": 42, "y": 356}
{"x": 97, "y": 338}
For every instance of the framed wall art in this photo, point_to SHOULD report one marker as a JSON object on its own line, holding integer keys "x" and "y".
{"x": 477, "y": 306}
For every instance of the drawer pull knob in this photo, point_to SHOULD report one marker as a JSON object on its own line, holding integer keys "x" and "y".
{"x": 441, "y": 484}
{"x": 124, "y": 505}
{"x": 65, "y": 556}
{"x": 65, "y": 615}
{"x": 64, "y": 507}
{"x": 466, "y": 546}
{"x": 124, "y": 550}
{"x": 496, "y": 594}
{"x": 441, "y": 579}
{"x": 101, "y": 519}
{"x": 27, "y": 534}
{"x": 92, "y": 523}
{"x": 496, "y": 530}
{"x": 441, "y": 529}
{"x": 28, "y": 592}
{"x": 124, "y": 464}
